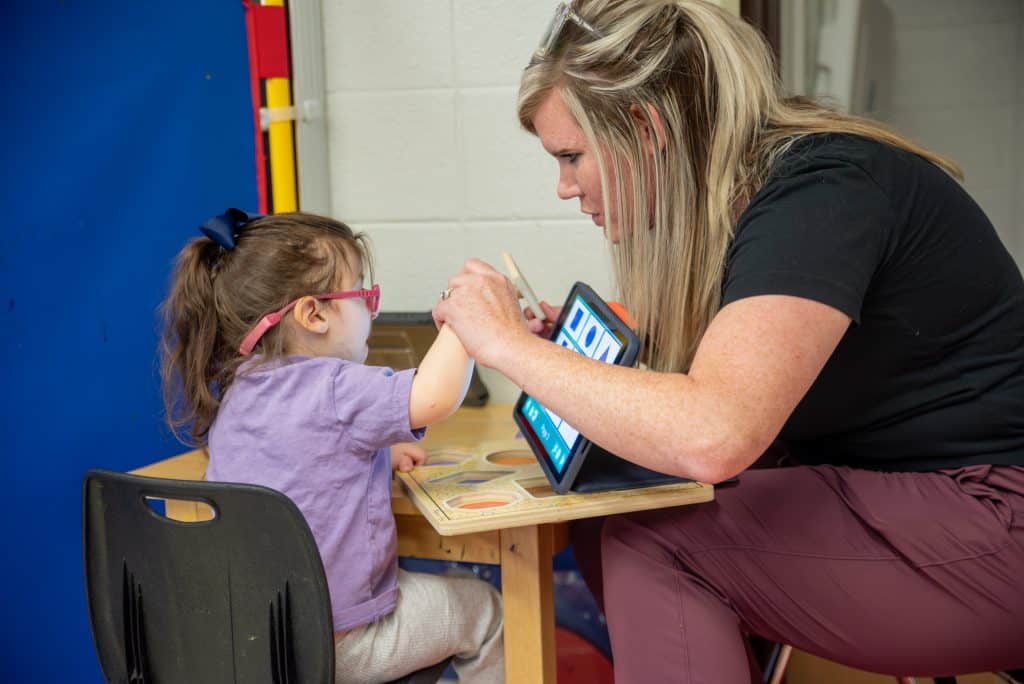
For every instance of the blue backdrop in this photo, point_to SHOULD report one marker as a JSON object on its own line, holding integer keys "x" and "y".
{"x": 128, "y": 124}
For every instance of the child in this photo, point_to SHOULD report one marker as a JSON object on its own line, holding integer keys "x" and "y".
{"x": 267, "y": 321}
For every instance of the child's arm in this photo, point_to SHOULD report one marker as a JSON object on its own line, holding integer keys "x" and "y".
{"x": 441, "y": 380}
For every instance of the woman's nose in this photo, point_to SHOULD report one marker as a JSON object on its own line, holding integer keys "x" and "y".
{"x": 567, "y": 188}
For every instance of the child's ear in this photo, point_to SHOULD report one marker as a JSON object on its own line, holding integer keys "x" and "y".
{"x": 309, "y": 313}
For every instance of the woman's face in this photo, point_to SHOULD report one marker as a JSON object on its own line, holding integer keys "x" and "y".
{"x": 578, "y": 175}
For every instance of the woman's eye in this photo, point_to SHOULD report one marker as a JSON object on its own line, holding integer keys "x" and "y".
{"x": 571, "y": 157}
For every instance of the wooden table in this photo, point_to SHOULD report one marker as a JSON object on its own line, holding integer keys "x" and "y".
{"x": 522, "y": 546}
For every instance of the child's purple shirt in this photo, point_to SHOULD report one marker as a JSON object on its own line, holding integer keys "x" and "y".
{"x": 317, "y": 429}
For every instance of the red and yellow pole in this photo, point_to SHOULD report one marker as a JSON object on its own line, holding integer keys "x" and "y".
{"x": 270, "y": 76}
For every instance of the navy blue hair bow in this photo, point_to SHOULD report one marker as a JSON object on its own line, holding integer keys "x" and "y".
{"x": 224, "y": 228}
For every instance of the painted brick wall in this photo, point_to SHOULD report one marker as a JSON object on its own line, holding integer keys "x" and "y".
{"x": 958, "y": 87}
{"x": 427, "y": 156}
{"x": 1018, "y": 189}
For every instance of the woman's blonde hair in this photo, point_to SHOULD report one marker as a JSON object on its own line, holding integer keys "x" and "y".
{"x": 217, "y": 296}
{"x": 711, "y": 79}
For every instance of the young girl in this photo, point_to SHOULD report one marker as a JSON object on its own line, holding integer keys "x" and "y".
{"x": 263, "y": 351}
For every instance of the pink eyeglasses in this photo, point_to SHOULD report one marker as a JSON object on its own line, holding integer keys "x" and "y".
{"x": 372, "y": 297}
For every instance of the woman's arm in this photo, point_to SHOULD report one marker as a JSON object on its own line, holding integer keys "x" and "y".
{"x": 756, "y": 361}
{"x": 441, "y": 380}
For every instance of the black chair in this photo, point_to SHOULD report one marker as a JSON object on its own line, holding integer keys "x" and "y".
{"x": 240, "y": 597}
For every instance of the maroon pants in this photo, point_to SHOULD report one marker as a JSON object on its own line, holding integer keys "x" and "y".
{"x": 898, "y": 573}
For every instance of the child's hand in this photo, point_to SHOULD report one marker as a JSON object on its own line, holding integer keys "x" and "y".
{"x": 405, "y": 456}
{"x": 542, "y": 328}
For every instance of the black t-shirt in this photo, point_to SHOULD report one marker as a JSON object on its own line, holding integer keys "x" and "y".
{"x": 930, "y": 373}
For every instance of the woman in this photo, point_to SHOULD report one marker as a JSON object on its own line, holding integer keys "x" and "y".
{"x": 800, "y": 276}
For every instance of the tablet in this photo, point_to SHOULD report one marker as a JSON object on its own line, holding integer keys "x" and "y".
{"x": 586, "y": 325}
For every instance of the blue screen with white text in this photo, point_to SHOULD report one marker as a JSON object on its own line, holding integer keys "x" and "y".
{"x": 584, "y": 332}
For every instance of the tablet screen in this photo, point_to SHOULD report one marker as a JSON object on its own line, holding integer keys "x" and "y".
{"x": 585, "y": 332}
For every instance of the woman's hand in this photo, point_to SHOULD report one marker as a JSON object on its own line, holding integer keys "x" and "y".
{"x": 484, "y": 312}
{"x": 405, "y": 456}
{"x": 539, "y": 327}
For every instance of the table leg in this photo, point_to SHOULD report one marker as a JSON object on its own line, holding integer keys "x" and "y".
{"x": 528, "y": 593}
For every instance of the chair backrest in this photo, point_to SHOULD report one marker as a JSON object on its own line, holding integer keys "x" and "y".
{"x": 239, "y": 598}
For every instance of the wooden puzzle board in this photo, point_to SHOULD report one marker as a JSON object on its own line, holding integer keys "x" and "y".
{"x": 499, "y": 484}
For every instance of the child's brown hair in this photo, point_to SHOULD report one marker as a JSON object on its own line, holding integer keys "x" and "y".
{"x": 217, "y": 295}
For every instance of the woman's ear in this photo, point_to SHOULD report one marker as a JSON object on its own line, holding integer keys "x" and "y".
{"x": 655, "y": 139}
{"x": 309, "y": 313}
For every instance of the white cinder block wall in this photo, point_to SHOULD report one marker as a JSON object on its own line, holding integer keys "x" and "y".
{"x": 427, "y": 157}
{"x": 426, "y": 153}
{"x": 1018, "y": 188}
{"x": 958, "y": 87}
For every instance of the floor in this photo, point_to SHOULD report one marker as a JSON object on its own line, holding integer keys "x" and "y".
{"x": 808, "y": 669}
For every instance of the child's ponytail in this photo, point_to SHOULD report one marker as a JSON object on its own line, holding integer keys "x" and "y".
{"x": 190, "y": 345}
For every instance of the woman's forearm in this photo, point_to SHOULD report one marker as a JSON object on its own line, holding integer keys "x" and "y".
{"x": 755, "y": 363}
{"x": 441, "y": 380}
{"x": 664, "y": 421}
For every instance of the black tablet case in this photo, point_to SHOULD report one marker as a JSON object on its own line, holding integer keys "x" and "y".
{"x": 599, "y": 470}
